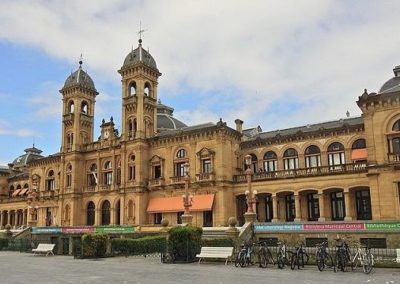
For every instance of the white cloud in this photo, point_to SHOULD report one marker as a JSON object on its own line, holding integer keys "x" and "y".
{"x": 6, "y": 129}
{"x": 321, "y": 54}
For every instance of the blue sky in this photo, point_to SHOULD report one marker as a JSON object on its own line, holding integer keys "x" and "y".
{"x": 277, "y": 64}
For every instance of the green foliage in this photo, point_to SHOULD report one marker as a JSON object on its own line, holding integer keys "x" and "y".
{"x": 184, "y": 243}
{"x": 94, "y": 245}
{"x": 3, "y": 243}
{"x": 145, "y": 245}
{"x": 217, "y": 242}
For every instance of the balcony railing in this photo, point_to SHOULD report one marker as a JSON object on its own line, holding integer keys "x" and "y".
{"x": 177, "y": 180}
{"x": 156, "y": 182}
{"x": 205, "y": 177}
{"x": 394, "y": 157}
{"x": 306, "y": 172}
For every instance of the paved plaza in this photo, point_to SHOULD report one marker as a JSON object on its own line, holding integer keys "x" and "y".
{"x": 25, "y": 268}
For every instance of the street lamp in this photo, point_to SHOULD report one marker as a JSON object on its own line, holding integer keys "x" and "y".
{"x": 250, "y": 215}
{"x": 187, "y": 198}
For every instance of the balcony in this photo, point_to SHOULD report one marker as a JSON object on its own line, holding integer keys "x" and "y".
{"x": 177, "y": 180}
{"x": 90, "y": 189}
{"x": 306, "y": 172}
{"x": 105, "y": 187}
{"x": 48, "y": 194}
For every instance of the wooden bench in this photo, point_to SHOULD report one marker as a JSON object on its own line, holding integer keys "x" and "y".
{"x": 216, "y": 252}
{"x": 44, "y": 248}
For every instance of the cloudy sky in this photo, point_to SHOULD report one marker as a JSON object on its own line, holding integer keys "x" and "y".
{"x": 277, "y": 64}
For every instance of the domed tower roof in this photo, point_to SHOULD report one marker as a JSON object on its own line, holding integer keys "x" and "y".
{"x": 139, "y": 55}
{"x": 165, "y": 119}
{"x": 393, "y": 84}
{"x": 79, "y": 78}
{"x": 30, "y": 155}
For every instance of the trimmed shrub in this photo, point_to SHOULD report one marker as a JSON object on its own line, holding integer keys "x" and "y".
{"x": 141, "y": 246}
{"x": 3, "y": 243}
{"x": 94, "y": 245}
{"x": 184, "y": 243}
{"x": 217, "y": 242}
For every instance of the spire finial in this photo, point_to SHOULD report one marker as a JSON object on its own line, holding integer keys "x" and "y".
{"x": 80, "y": 60}
{"x": 140, "y": 32}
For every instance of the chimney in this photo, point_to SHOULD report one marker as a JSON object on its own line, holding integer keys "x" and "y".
{"x": 239, "y": 124}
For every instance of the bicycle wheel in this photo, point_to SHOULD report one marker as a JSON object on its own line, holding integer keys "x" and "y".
{"x": 242, "y": 259}
{"x": 294, "y": 261}
{"x": 270, "y": 258}
{"x": 368, "y": 263}
{"x": 237, "y": 260}
{"x": 280, "y": 261}
{"x": 262, "y": 259}
{"x": 320, "y": 261}
{"x": 328, "y": 261}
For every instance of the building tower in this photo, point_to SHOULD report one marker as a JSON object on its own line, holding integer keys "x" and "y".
{"x": 139, "y": 94}
{"x": 79, "y": 95}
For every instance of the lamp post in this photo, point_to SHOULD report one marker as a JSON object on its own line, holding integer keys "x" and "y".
{"x": 250, "y": 215}
{"x": 187, "y": 198}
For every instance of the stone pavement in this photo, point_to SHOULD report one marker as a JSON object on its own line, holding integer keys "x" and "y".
{"x": 25, "y": 268}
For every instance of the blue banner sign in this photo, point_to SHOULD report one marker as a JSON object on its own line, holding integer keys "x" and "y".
{"x": 260, "y": 228}
{"x": 46, "y": 230}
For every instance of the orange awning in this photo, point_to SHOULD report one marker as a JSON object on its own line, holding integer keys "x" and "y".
{"x": 23, "y": 191}
{"x": 15, "y": 193}
{"x": 175, "y": 204}
{"x": 359, "y": 154}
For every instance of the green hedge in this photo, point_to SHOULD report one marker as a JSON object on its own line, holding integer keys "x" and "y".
{"x": 94, "y": 245}
{"x": 184, "y": 243}
{"x": 3, "y": 243}
{"x": 145, "y": 245}
{"x": 217, "y": 242}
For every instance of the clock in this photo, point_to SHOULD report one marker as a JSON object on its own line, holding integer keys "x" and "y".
{"x": 106, "y": 134}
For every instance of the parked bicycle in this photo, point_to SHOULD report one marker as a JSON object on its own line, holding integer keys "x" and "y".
{"x": 299, "y": 257}
{"x": 342, "y": 256}
{"x": 264, "y": 255}
{"x": 283, "y": 257}
{"x": 364, "y": 258}
{"x": 323, "y": 258}
{"x": 244, "y": 257}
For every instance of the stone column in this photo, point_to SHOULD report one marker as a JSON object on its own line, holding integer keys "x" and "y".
{"x": 15, "y": 218}
{"x": 112, "y": 216}
{"x": 347, "y": 205}
{"x": 297, "y": 207}
{"x": 24, "y": 217}
{"x": 321, "y": 203}
{"x": 97, "y": 217}
{"x": 9, "y": 217}
{"x": 274, "y": 208}
{"x": 1, "y": 220}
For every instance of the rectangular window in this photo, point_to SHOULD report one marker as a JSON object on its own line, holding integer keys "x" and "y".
{"x": 268, "y": 209}
{"x": 157, "y": 171}
{"x": 290, "y": 208}
{"x": 108, "y": 178}
{"x": 336, "y": 160}
{"x": 206, "y": 166}
{"x": 207, "y": 219}
{"x": 50, "y": 184}
{"x": 337, "y": 205}
{"x": 131, "y": 173}
{"x": 270, "y": 165}
{"x": 313, "y": 161}
{"x": 291, "y": 163}
{"x": 157, "y": 218}
{"x": 92, "y": 179}
{"x": 179, "y": 169}
{"x": 179, "y": 217}
{"x": 363, "y": 205}
{"x": 313, "y": 207}
{"x": 374, "y": 242}
{"x": 312, "y": 242}
{"x": 69, "y": 180}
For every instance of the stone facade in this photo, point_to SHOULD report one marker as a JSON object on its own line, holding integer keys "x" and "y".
{"x": 341, "y": 170}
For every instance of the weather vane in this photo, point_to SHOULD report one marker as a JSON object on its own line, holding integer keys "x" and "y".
{"x": 141, "y": 31}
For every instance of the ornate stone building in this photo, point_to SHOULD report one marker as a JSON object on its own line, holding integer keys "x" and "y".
{"x": 339, "y": 170}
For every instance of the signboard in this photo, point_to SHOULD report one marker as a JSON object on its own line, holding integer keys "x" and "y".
{"x": 114, "y": 230}
{"x": 78, "y": 230}
{"x": 328, "y": 227}
{"x": 46, "y": 230}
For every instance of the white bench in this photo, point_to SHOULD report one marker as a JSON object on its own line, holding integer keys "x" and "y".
{"x": 44, "y": 248}
{"x": 215, "y": 252}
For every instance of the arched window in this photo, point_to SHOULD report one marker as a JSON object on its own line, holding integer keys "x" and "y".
{"x": 312, "y": 157}
{"x": 132, "y": 167}
{"x": 50, "y": 180}
{"x": 105, "y": 213}
{"x": 336, "y": 157}
{"x": 359, "y": 153}
{"x": 92, "y": 175}
{"x": 394, "y": 143}
{"x": 70, "y": 141}
{"x": 132, "y": 88}
{"x": 290, "y": 159}
{"x": 359, "y": 144}
{"x": 90, "y": 213}
{"x": 179, "y": 162}
{"x": 107, "y": 174}
{"x": 84, "y": 107}
{"x": 69, "y": 175}
{"x": 396, "y": 126}
{"x": 71, "y": 107}
{"x": 132, "y": 127}
{"x": 146, "y": 89}
{"x": 270, "y": 162}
